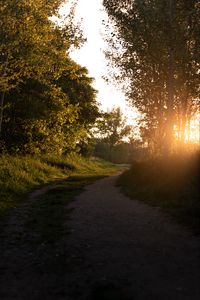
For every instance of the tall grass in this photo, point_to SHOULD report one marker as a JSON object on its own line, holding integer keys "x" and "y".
{"x": 172, "y": 184}
{"x": 19, "y": 175}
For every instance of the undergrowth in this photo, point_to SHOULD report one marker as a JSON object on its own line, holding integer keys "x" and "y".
{"x": 19, "y": 175}
{"x": 172, "y": 184}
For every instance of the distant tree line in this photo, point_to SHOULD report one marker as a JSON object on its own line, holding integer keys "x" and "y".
{"x": 116, "y": 141}
{"x": 47, "y": 102}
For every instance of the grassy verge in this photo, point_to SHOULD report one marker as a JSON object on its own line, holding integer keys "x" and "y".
{"x": 19, "y": 175}
{"x": 172, "y": 185}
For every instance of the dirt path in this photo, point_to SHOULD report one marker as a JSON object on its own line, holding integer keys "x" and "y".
{"x": 118, "y": 249}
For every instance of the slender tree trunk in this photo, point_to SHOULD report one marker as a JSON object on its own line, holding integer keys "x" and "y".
{"x": 184, "y": 114}
{"x": 170, "y": 113}
{"x": 183, "y": 127}
{"x": 189, "y": 128}
{"x": 1, "y": 110}
{"x": 3, "y": 97}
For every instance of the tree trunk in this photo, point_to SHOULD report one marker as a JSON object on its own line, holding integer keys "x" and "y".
{"x": 1, "y": 110}
{"x": 170, "y": 104}
{"x": 183, "y": 127}
{"x": 3, "y": 97}
{"x": 188, "y": 128}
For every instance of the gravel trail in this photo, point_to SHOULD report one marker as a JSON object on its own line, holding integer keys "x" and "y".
{"x": 118, "y": 249}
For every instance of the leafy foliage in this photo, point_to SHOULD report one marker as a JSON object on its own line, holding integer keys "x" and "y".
{"x": 111, "y": 128}
{"x": 47, "y": 100}
{"x": 159, "y": 57}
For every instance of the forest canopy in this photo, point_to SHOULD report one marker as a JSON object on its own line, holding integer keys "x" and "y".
{"x": 47, "y": 102}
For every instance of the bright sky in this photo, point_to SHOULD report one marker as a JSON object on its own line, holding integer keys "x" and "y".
{"x": 91, "y": 55}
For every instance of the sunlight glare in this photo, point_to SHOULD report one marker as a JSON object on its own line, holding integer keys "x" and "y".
{"x": 192, "y": 133}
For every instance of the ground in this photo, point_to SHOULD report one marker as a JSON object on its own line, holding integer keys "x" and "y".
{"x": 112, "y": 248}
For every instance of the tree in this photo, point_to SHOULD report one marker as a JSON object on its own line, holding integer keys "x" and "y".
{"x": 50, "y": 115}
{"x": 111, "y": 129}
{"x": 159, "y": 57}
{"x": 48, "y": 100}
{"x": 76, "y": 83}
{"x": 32, "y": 46}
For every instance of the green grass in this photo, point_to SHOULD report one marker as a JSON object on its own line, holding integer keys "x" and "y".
{"x": 171, "y": 184}
{"x": 19, "y": 175}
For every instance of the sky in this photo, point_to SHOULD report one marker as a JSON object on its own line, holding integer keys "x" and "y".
{"x": 91, "y": 14}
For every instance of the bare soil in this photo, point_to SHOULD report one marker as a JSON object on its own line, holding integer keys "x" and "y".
{"x": 117, "y": 249}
